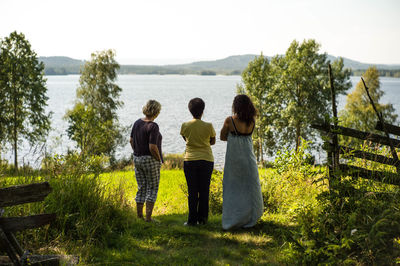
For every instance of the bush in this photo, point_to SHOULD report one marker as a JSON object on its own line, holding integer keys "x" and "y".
{"x": 290, "y": 185}
{"x": 123, "y": 164}
{"x": 216, "y": 193}
{"x": 172, "y": 161}
{"x": 88, "y": 210}
{"x": 356, "y": 222}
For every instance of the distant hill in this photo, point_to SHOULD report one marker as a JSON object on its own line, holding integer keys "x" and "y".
{"x": 61, "y": 65}
{"x": 355, "y": 65}
{"x": 232, "y": 65}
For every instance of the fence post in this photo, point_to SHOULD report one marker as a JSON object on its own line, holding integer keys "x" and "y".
{"x": 333, "y": 156}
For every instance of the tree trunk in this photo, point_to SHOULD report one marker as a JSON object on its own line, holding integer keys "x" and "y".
{"x": 15, "y": 146}
{"x": 257, "y": 150}
{"x": 298, "y": 135}
{"x": 15, "y": 138}
{"x": 260, "y": 146}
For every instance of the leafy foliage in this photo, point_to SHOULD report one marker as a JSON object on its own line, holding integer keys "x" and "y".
{"x": 258, "y": 81}
{"x": 172, "y": 161}
{"x": 93, "y": 122}
{"x": 290, "y": 186}
{"x": 22, "y": 94}
{"x": 304, "y": 91}
{"x": 291, "y": 92}
{"x": 358, "y": 112}
{"x": 356, "y": 221}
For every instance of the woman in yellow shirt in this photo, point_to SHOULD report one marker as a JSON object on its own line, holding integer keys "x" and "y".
{"x": 198, "y": 162}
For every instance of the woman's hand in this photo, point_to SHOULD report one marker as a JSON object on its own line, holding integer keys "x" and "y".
{"x": 212, "y": 140}
{"x": 155, "y": 152}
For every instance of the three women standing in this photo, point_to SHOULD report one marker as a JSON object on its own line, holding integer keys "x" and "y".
{"x": 242, "y": 198}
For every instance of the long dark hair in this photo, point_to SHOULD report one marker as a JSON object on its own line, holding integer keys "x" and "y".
{"x": 244, "y": 108}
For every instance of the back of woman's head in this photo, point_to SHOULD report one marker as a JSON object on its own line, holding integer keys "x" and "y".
{"x": 196, "y": 107}
{"x": 152, "y": 108}
{"x": 244, "y": 108}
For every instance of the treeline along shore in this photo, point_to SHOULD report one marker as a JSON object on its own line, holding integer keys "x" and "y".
{"x": 232, "y": 65}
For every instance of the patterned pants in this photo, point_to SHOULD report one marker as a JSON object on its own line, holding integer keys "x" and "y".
{"x": 147, "y": 172}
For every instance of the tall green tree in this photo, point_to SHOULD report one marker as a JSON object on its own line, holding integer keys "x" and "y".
{"x": 257, "y": 82}
{"x": 290, "y": 92}
{"x": 22, "y": 94}
{"x": 304, "y": 91}
{"x": 358, "y": 112}
{"x": 93, "y": 122}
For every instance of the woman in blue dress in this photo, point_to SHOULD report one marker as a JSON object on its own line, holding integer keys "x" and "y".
{"x": 242, "y": 199}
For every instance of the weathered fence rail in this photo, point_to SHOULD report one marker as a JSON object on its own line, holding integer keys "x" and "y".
{"x": 334, "y": 150}
{"x": 9, "y": 225}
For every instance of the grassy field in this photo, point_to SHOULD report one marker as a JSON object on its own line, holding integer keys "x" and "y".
{"x": 303, "y": 223}
{"x": 169, "y": 242}
{"x": 355, "y": 222}
{"x": 135, "y": 242}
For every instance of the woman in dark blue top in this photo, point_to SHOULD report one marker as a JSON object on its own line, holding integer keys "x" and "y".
{"x": 146, "y": 144}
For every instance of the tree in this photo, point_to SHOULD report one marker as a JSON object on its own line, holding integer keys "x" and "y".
{"x": 358, "y": 112}
{"x": 23, "y": 94}
{"x": 290, "y": 92}
{"x": 304, "y": 91}
{"x": 93, "y": 122}
{"x": 257, "y": 83}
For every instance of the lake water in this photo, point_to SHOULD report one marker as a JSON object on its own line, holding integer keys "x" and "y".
{"x": 174, "y": 93}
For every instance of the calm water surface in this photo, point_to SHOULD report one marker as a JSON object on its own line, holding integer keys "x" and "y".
{"x": 174, "y": 93}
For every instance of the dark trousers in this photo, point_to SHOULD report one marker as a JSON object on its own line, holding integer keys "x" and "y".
{"x": 198, "y": 176}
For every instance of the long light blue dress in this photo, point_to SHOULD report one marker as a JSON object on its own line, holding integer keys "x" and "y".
{"x": 242, "y": 199}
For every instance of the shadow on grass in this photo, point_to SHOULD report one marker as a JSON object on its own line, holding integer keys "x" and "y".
{"x": 170, "y": 242}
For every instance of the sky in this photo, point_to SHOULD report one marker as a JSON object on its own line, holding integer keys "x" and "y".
{"x": 182, "y": 31}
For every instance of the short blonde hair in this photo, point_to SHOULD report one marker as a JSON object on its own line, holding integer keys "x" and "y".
{"x": 152, "y": 108}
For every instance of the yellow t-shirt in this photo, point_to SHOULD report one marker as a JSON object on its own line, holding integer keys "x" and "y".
{"x": 198, "y": 134}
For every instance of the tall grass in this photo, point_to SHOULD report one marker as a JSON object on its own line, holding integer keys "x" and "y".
{"x": 302, "y": 220}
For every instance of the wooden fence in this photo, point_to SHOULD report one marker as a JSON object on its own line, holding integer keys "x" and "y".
{"x": 334, "y": 150}
{"x": 16, "y": 195}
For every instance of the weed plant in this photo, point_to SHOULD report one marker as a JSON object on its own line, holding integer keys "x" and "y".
{"x": 356, "y": 221}
{"x": 290, "y": 185}
{"x": 172, "y": 161}
{"x": 88, "y": 211}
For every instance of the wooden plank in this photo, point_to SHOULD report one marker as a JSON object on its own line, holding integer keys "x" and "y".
{"x": 368, "y": 156}
{"x": 6, "y": 246}
{"x": 28, "y": 222}
{"x": 14, "y": 242}
{"x": 395, "y": 130}
{"x": 384, "y": 177}
{"x": 380, "y": 117}
{"x": 23, "y": 194}
{"x": 40, "y": 260}
{"x": 335, "y": 161}
{"x": 383, "y": 140}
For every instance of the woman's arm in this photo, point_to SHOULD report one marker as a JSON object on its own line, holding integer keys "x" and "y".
{"x": 225, "y": 130}
{"x": 155, "y": 152}
{"x": 131, "y": 141}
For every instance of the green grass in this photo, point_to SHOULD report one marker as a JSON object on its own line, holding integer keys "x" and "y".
{"x": 109, "y": 233}
{"x": 96, "y": 219}
{"x": 169, "y": 242}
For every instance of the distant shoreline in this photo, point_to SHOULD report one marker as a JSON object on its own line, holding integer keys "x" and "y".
{"x": 229, "y": 66}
